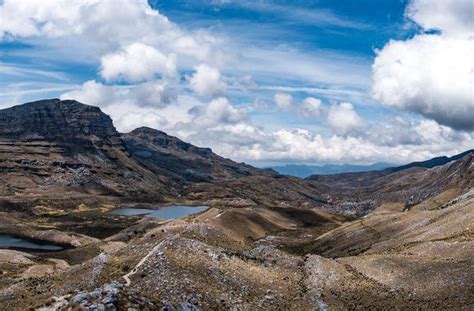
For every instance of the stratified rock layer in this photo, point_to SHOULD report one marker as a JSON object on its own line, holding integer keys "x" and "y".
{"x": 56, "y": 120}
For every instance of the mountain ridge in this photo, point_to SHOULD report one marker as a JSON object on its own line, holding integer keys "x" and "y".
{"x": 78, "y": 149}
{"x": 147, "y": 165}
{"x": 304, "y": 171}
{"x": 430, "y": 163}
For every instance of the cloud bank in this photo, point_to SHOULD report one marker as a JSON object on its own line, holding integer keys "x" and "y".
{"x": 431, "y": 74}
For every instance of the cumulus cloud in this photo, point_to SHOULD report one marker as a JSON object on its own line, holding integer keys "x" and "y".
{"x": 137, "y": 62}
{"x": 452, "y": 17}
{"x": 94, "y": 32}
{"x": 92, "y": 18}
{"x": 33, "y": 18}
{"x": 218, "y": 111}
{"x": 243, "y": 141}
{"x": 342, "y": 118}
{"x": 431, "y": 74}
{"x": 303, "y": 145}
{"x": 311, "y": 108}
{"x": 92, "y": 93}
{"x": 400, "y": 131}
{"x": 207, "y": 81}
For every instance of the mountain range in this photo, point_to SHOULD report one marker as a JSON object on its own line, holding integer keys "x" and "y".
{"x": 390, "y": 237}
{"x": 303, "y": 171}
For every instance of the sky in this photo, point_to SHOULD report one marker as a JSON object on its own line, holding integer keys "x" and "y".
{"x": 264, "y": 82}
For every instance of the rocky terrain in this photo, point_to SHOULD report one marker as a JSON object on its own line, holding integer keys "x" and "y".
{"x": 393, "y": 239}
{"x": 410, "y": 186}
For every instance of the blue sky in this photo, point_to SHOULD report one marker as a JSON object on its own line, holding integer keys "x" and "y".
{"x": 355, "y": 27}
{"x": 266, "y": 82}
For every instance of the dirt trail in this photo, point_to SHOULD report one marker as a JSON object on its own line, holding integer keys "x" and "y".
{"x": 127, "y": 276}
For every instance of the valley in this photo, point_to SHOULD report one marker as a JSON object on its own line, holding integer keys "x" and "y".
{"x": 398, "y": 238}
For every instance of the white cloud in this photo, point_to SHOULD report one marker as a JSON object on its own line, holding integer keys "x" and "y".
{"x": 54, "y": 18}
{"x": 431, "y": 74}
{"x": 342, "y": 118}
{"x": 219, "y": 111}
{"x": 452, "y": 17}
{"x": 400, "y": 131}
{"x": 303, "y": 145}
{"x": 206, "y": 81}
{"x": 283, "y": 101}
{"x": 137, "y": 62}
{"x": 128, "y": 116}
{"x": 245, "y": 142}
{"x": 92, "y": 93}
{"x": 89, "y": 26}
{"x": 33, "y": 18}
{"x": 311, "y": 108}
{"x": 134, "y": 119}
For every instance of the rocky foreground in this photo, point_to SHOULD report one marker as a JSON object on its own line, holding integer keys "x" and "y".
{"x": 398, "y": 239}
{"x": 257, "y": 258}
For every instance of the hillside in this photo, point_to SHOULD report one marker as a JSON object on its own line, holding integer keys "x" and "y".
{"x": 52, "y": 147}
{"x": 372, "y": 240}
{"x": 407, "y": 186}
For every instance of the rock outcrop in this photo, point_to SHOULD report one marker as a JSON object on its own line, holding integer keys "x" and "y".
{"x": 184, "y": 162}
{"x": 56, "y": 120}
{"x": 52, "y": 147}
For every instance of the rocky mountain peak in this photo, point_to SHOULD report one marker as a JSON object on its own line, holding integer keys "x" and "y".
{"x": 56, "y": 119}
{"x": 163, "y": 140}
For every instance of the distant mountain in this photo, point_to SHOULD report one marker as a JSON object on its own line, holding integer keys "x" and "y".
{"x": 304, "y": 171}
{"x": 432, "y": 162}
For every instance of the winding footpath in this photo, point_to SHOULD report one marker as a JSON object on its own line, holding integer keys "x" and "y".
{"x": 127, "y": 276}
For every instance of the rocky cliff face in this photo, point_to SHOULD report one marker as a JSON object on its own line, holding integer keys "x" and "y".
{"x": 54, "y": 119}
{"x": 184, "y": 162}
{"x": 54, "y": 146}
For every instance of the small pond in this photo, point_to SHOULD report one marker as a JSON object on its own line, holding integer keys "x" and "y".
{"x": 165, "y": 213}
{"x": 12, "y": 241}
